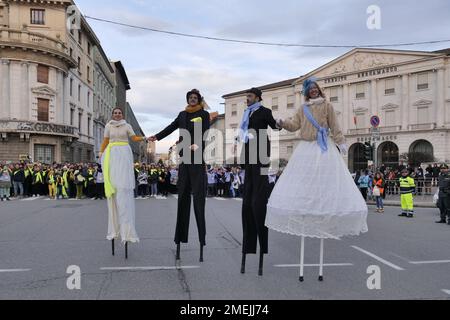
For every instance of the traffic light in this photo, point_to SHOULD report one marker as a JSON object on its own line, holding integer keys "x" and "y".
{"x": 368, "y": 151}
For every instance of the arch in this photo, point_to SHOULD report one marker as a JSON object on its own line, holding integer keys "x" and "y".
{"x": 388, "y": 154}
{"x": 356, "y": 159}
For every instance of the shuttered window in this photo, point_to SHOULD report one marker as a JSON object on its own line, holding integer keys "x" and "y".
{"x": 42, "y": 74}
{"x": 43, "y": 106}
{"x": 37, "y": 16}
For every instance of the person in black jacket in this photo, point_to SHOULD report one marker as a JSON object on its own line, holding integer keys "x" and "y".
{"x": 18, "y": 179}
{"x": 194, "y": 121}
{"x": 255, "y": 123}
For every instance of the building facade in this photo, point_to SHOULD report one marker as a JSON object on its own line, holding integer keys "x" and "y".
{"x": 35, "y": 62}
{"x": 214, "y": 149}
{"x": 408, "y": 90}
{"x": 139, "y": 148}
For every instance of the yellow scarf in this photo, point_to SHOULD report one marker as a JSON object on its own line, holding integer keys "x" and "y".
{"x": 190, "y": 109}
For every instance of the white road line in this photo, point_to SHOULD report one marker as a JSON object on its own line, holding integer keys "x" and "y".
{"x": 218, "y": 198}
{"x": 378, "y": 258}
{"x": 430, "y": 262}
{"x": 313, "y": 265}
{"x": 446, "y": 291}
{"x": 148, "y": 268}
{"x": 14, "y": 270}
{"x": 238, "y": 199}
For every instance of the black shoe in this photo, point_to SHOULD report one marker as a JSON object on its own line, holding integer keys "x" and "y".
{"x": 410, "y": 215}
{"x": 448, "y": 222}
{"x": 441, "y": 221}
{"x": 403, "y": 215}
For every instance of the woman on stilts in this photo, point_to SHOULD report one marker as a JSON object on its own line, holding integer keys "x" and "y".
{"x": 316, "y": 196}
{"x": 117, "y": 164}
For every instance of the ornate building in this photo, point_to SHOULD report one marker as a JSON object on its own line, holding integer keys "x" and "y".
{"x": 408, "y": 90}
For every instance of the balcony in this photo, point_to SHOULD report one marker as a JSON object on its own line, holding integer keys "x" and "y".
{"x": 424, "y": 126}
{"x": 358, "y": 131}
{"x": 390, "y": 129}
{"x": 37, "y": 42}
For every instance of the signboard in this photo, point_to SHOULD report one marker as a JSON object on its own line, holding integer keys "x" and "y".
{"x": 375, "y": 121}
{"x": 375, "y": 133}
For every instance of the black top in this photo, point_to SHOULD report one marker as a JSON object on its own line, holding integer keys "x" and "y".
{"x": 184, "y": 121}
{"x": 261, "y": 119}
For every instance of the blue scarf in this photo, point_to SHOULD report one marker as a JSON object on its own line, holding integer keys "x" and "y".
{"x": 322, "y": 133}
{"x": 243, "y": 133}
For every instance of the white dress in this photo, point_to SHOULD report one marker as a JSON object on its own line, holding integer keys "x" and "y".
{"x": 121, "y": 206}
{"x": 316, "y": 196}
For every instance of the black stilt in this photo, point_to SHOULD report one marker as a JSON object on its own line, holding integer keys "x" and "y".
{"x": 261, "y": 263}
{"x": 112, "y": 246}
{"x": 243, "y": 264}
{"x": 201, "y": 253}
{"x": 126, "y": 250}
{"x": 178, "y": 252}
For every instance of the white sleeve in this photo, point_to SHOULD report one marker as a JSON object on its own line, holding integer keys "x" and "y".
{"x": 130, "y": 131}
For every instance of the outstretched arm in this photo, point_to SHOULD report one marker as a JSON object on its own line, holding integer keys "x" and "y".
{"x": 167, "y": 131}
{"x": 292, "y": 124}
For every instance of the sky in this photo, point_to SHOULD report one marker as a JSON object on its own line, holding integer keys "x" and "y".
{"x": 161, "y": 68}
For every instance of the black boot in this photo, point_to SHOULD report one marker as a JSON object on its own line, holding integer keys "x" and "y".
{"x": 261, "y": 263}
{"x": 126, "y": 250}
{"x": 243, "y": 264}
{"x": 112, "y": 246}
{"x": 441, "y": 221}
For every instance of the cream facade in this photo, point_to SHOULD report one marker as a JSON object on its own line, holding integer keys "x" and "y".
{"x": 215, "y": 142}
{"x": 408, "y": 90}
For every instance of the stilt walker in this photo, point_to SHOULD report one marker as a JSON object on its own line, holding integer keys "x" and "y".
{"x": 316, "y": 196}
{"x": 117, "y": 164}
{"x": 192, "y": 169}
{"x": 253, "y": 131}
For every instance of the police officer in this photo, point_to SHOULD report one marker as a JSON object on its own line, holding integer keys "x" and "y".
{"x": 407, "y": 189}
{"x": 444, "y": 195}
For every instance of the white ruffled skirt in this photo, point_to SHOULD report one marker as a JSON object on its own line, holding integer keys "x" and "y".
{"x": 121, "y": 206}
{"x": 316, "y": 196}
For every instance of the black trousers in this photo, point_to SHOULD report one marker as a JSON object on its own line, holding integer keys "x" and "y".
{"x": 191, "y": 180}
{"x": 444, "y": 207}
{"x": 254, "y": 210}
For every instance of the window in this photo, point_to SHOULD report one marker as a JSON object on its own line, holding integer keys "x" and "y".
{"x": 389, "y": 86}
{"x": 44, "y": 153}
{"x": 79, "y": 92}
{"x": 43, "y": 106}
{"x": 289, "y": 150}
{"x": 88, "y": 74}
{"x": 42, "y": 74}
{"x": 80, "y": 116}
{"x": 290, "y": 102}
{"x": 360, "y": 91}
{"x": 390, "y": 118}
{"x": 89, "y": 48}
{"x": 79, "y": 37}
{"x": 334, "y": 95}
{"x": 72, "y": 113}
{"x": 422, "y": 81}
{"x": 37, "y": 16}
{"x": 71, "y": 87}
{"x": 79, "y": 63}
{"x": 89, "y": 126}
{"x": 88, "y": 99}
{"x": 71, "y": 52}
{"x": 213, "y": 152}
{"x": 233, "y": 110}
{"x": 422, "y": 115}
{"x": 274, "y": 104}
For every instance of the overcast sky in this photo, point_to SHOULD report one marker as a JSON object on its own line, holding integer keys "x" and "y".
{"x": 162, "y": 68}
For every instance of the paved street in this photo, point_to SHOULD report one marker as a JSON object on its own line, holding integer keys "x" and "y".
{"x": 39, "y": 239}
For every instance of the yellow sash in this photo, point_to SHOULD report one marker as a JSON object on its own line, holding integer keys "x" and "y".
{"x": 109, "y": 188}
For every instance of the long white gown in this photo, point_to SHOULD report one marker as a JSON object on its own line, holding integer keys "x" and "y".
{"x": 121, "y": 206}
{"x": 316, "y": 196}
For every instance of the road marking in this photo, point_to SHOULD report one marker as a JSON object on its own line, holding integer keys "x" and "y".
{"x": 238, "y": 199}
{"x": 378, "y": 258}
{"x": 218, "y": 198}
{"x": 175, "y": 196}
{"x": 148, "y": 268}
{"x": 314, "y": 265}
{"x": 446, "y": 291}
{"x": 14, "y": 270}
{"x": 430, "y": 262}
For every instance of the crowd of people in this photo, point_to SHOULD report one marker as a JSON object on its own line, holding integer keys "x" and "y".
{"x": 85, "y": 180}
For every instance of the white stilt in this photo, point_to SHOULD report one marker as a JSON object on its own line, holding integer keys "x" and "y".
{"x": 321, "y": 261}
{"x": 302, "y": 258}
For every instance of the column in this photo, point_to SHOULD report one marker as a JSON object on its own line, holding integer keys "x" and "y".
{"x": 32, "y": 77}
{"x": 4, "y": 90}
{"x": 347, "y": 113}
{"x": 404, "y": 112}
{"x": 440, "y": 99}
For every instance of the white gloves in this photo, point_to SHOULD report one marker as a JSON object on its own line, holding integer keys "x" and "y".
{"x": 343, "y": 148}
